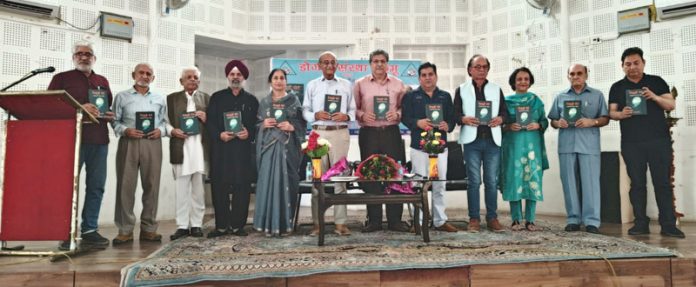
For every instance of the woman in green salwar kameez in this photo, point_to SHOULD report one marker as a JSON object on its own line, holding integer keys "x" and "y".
{"x": 523, "y": 152}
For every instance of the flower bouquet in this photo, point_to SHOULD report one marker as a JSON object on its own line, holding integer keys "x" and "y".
{"x": 378, "y": 167}
{"x": 432, "y": 144}
{"x": 316, "y": 148}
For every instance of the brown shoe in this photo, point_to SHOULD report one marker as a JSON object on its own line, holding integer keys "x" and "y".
{"x": 342, "y": 229}
{"x": 150, "y": 236}
{"x": 314, "y": 232}
{"x": 447, "y": 227}
{"x": 123, "y": 238}
{"x": 494, "y": 225}
{"x": 474, "y": 225}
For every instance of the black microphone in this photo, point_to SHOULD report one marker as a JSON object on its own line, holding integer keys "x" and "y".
{"x": 44, "y": 70}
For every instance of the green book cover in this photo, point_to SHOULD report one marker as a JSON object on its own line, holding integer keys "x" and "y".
{"x": 233, "y": 121}
{"x": 484, "y": 112}
{"x": 99, "y": 98}
{"x": 572, "y": 111}
{"x": 332, "y": 104}
{"x": 278, "y": 112}
{"x": 145, "y": 121}
{"x": 434, "y": 113}
{"x": 189, "y": 123}
{"x": 381, "y": 107}
{"x": 296, "y": 90}
{"x": 636, "y": 101}
{"x": 522, "y": 116}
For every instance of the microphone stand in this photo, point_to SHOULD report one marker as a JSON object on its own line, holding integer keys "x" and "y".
{"x": 24, "y": 78}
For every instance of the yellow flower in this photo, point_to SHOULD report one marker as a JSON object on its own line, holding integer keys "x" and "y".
{"x": 304, "y": 145}
{"x": 435, "y": 142}
{"x": 423, "y": 134}
{"x": 437, "y": 134}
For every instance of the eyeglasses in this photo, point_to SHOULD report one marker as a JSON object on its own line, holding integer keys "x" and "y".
{"x": 327, "y": 63}
{"x": 83, "y": 54}
{"x": 572, "y": 74}
{"x": 481, "y": 67}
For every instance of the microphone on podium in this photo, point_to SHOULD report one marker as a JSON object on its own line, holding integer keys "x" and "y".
{"x": 43, "y": 70}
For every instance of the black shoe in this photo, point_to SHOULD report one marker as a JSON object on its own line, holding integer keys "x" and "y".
{"x": 196, "y": 232}
{"x": 216, "y": 233}
{"x": 592, "y": 229}
{"x": 399, "y": 227}
{"x": 572, "y": 227}
{"x": 179, "y": 234}
{"x": 672, "y": 231}
{"x": 64, "y": 245}
{"x": 240, "y": 232}
{"x": 94, "y": 239}
{"x": 371, "y": 228}
{"x": 639, "y": 229}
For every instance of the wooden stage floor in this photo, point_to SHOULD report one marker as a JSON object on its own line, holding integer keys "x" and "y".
{"x": 102, "y": 268}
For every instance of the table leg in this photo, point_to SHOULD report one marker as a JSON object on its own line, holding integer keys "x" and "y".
{"x": 321, "y": 210}
{"x": 426, "y": 211}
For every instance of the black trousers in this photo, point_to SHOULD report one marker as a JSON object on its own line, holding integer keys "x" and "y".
{"x": 387, "y": 141}
{"x": 638, "y": 157}
{"x": 234, "y": 216}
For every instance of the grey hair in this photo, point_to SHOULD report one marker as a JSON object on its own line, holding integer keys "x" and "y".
{"x": 143, "y": 64}
{"x": 82, "y": 43}
{"x": 189, "y": 69}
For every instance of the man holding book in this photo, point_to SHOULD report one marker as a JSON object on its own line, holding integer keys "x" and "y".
{"x": 378, "y": 111}
{"x": 638, "y": 102}
{"x": 579, "y": 112}
{"x": 231, "y": 129}
{"x": 425, "y": 108}
{"x": 479, "y": 107}
{"x": 188, "y": 152}
{"x": 89, "y": 89}
{"x": 140, "y": 122}
{"x": 329, "y": 106}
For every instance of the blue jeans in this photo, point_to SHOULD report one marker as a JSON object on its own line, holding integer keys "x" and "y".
{"x": 93, "y": 156}
{"x": 487, "y": 152}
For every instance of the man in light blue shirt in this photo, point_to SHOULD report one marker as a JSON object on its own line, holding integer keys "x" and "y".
{"x": 330, "y": 120}
{"x": 138, "y": 150}
{"x": 579, "y": 148}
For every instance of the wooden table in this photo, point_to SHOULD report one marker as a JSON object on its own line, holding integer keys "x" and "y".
{"x": 419, "y": 199}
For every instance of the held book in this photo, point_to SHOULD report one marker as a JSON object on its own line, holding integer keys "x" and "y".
{"x": 572, "y": 111}
{"x": 522, "y": 116}
{"x": 636, "y": 101}
{"x": 434, "y": 113}
{"x": 483, "y": 112}
{"x": 381, "y": 107}
{"x": 278, "y": 112}
{"x": 332, "y": 103}
{"x": 145, "y": 121}
{"x": 189, "y": 123}
{"x": 100, "y": 99}
{"x": 233, "y": 121}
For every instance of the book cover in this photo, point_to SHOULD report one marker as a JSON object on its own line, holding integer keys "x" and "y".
{"x": 278, "y": 112}
{"x": 189, "y": 123}
{"x": 332, "y": 104}
{"x": 434, "y": 113}
{"x": 233, "y": 121}
{"x": 483, "y": 112}
{"x": 145, "y": 121}
{"x": 522, "y": 116}
{"x": 99, "y": 98}
{"x": 296, "y": 90}
{"x": 636, "y": 101}
{"x": 381, "y": 107}
{"x": 572, "y": 111}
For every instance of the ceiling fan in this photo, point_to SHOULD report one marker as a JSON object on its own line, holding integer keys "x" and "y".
{"x": 169, "y": 5}
{"x": 545, "y": 5}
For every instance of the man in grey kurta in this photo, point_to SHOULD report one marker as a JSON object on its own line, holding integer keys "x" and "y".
{"x": 138, "y": 151}
{"x": 579, "y": 146}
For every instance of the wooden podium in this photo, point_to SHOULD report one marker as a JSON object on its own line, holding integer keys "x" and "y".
{"x": 39, "y": 168}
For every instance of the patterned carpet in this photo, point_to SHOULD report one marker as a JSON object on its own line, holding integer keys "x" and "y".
{"x": 191, "y": 260}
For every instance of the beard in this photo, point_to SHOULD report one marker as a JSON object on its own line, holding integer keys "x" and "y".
{"x": 234, "y": 84}
{"x": 143, "y": 84}
{"x": 82, "y": 67}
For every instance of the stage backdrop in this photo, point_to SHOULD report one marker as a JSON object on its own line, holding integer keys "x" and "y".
{"x": 301, "y": 71}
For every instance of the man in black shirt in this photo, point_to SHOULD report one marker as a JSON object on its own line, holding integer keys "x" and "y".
{"x": 645, "y": 140}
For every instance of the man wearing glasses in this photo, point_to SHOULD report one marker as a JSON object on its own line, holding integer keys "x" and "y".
{"x": 80, "y": 83}
{"x": 481, "y": 140}
{"x": 329, "y": 106}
